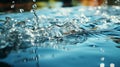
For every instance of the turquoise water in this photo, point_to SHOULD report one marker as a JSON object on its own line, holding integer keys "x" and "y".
{"x": 61, "y": 37}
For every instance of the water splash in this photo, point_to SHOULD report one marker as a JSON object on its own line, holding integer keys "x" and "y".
{"x": 57, "y": 30}
{"x": 42, "y": 30}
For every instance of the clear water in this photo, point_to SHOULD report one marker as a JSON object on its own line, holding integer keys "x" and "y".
{"x": 61, "y": 37}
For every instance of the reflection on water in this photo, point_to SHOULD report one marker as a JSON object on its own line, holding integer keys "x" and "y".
{"x": 57, "y": 28}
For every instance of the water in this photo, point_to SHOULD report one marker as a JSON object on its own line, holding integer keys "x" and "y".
{"x": 61, "y": 37}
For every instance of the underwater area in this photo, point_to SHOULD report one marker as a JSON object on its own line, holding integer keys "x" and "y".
{"x": 80, "y": 36}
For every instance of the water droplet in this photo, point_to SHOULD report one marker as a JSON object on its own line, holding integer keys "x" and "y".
{"x": 12, "y": 6}
{"x": 34, "y": 6}
{"x": 34, "y": 0}
{"x": 13, "y": 1}
{"x": 102, "y": 65}
{"x": 102, "y": 59}
{"x": 21, "y": 10}
{"x": 112, "y": 65}
{"x": 101, "y": 49}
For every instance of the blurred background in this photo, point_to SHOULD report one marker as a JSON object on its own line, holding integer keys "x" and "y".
{"x": 27, "y": 5}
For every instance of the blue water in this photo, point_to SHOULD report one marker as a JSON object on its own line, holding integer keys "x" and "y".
{"x": 61, "y": 37}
